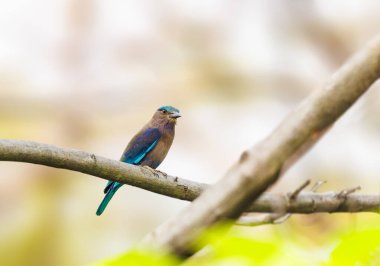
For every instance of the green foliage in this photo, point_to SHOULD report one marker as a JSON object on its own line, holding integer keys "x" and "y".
{"x": 230, "y": 247}
{"x": 234, "y": 247}
{"x": 268, "y": 245}
{"x": 362, "y": 248}
{"x": 141, "y": 257}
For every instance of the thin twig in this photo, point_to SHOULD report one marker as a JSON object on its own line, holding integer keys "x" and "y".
{"x": 344, "y": 193}
{"x": 317, "y": 185}
{"x": 272, "y": 218}
{"x": 254, "y": 220}
{"x": 296, "y": 192}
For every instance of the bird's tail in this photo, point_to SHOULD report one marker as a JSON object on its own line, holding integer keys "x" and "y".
{"x": 110, "y": 192}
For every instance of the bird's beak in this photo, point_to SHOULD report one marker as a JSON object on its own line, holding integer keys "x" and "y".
{"x": 175, "y": 115}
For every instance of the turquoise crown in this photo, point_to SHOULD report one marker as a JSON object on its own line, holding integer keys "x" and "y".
{"x": 169, "y": 109}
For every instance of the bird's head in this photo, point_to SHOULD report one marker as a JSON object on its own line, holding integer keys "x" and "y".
{"x": 166, "y": 114}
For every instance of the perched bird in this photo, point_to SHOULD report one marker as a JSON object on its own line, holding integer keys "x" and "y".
{"x": 148, "y": 147}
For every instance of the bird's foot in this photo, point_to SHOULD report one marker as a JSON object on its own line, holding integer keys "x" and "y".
{"x": 155, "y": 172}
{"x": 162, "y": 173}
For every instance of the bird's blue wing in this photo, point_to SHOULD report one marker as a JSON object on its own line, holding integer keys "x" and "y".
{"x": 141, "y": 146}
{"x": 138, "y": 149}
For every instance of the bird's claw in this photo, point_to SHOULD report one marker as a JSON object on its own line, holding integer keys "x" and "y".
{"x": 162, "y": 173}
{"x": 154, "y": 171}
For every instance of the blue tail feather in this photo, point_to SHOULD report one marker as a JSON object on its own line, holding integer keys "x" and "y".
{"x": 112, "y": 188}
{"x": 109, "y": 185}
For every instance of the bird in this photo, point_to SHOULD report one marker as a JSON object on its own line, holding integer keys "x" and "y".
{"x": 148, "y": 148}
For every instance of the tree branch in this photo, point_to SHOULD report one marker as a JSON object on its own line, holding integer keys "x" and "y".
{"x": 312, "y": 202}
{"x": 334, "y": 201}
{"x": 279, "y": 216}
{"x": 89, "y": 163}
{"x": 172, "y": 186}
{"x": 261, "y": 166}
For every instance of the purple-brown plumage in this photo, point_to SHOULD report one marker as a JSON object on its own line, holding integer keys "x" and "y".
{"x": 166, "y": 128}
{"x": 148, "y": 147}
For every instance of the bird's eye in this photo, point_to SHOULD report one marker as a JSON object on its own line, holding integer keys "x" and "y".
{"x": 164, "y": 111}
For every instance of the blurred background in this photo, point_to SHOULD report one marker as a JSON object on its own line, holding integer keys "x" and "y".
{"x": 89, "y": 74}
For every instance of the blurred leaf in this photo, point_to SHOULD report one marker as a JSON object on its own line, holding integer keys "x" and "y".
{"x": 233, "y": 247}
{"x": 361, "y": 248}
{"x": 141, "y": 257}
{"x": 230, "y": 245}
{"x": 245, "y": 250}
